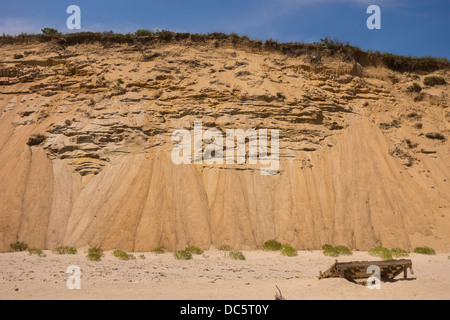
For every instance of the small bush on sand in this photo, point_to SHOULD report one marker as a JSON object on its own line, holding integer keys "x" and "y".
{"x": 330, "y": 251}
{"x": 433, "y": 81}
{"x": 414, "y": 88}
{"x": 183, "y": 255}
{"x": 425, "y": 250}
{"x": 142, "y": 257}
{"x": 37, "y": 252}
{"x": 122, "y": 255}
{"x": 95, "y": 254}
{"x": 225, "y": 247}
{"x": 383, "y": 253}
{"x": 18, "y": 246}
{"x": 236, "y": 255}
{"x": 66, "y": 250}
{"x": 272, "y": 245}
{"x": 158, "y": 250}
{"x": 398, "y": 253}
{"x": 194, "y": 250}
{"x": 50, "y": 32}
{"x": 289, "y": 251}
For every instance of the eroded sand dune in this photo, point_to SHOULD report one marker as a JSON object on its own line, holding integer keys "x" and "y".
{"x": 356, "y": 165}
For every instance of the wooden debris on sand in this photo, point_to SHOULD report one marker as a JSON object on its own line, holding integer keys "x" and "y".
{"x": 279, "y": 296}
{"x": 356, "y": 271}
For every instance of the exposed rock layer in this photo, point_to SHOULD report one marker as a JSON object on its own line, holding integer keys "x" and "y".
{"x": 357, "y": 167}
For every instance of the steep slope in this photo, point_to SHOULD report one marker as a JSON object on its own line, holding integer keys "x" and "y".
{"x": 358, "y": 166}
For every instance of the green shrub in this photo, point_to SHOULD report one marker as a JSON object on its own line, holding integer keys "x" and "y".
{"x": 18, "y": 246}
{"x": 143, "y": 33}
{"x": 383, "y": 253}
{"x": 397, "y": 253}
{"x": 343, "y": 250}
{"x": 66, "y": 250}
{"x": 272, "y": 245}
{"x": 50, "y": 32}
{"x": 425, "y": 250}
{"x": 36, "y": 139}
{"x": 194, "y": 250}
{"x": 225, "y": 247}
{"x": 433, "y": 81}
{"x": 158, "y": 251}
{"x": 142, "y": 257}
{"x": 330, "y": 251}
{"x": 37, "y": 251}
{"x": 182, "y": 255}
{"x": 120, "y": 81}
{"x": 236, "y": 255}
{"x": 122, "y": 255}
{"x": 95, "y": 254}
{"x": 289, "y": 251}
{"x": 414, "y": 88}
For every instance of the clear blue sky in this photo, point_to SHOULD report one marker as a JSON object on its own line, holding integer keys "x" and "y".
{"x": 408, "y": 27}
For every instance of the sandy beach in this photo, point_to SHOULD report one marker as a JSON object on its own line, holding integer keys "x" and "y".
{"x": 210, "y": 276}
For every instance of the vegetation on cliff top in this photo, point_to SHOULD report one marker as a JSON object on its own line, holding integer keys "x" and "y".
{"x": 327, "y": 46}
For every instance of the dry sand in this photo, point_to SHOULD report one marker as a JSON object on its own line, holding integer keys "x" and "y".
{"x": 210, "y": 276}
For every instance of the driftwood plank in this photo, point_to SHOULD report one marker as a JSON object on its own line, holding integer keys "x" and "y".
{"x": 358, "y": 269}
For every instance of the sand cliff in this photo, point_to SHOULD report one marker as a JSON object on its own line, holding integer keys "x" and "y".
{"x": 358, "y": 166}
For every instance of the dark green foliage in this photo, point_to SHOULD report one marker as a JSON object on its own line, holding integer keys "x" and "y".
{"x": 18, "y": 246}
{"x": 414, "y": 88}
{"x": 433, "y": 81}
{"x": 50, "y": 32}
{"x": 272, "y": 245}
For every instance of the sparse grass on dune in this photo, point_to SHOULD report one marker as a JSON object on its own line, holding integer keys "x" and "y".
{"x": 194, "y": 250}
{"x": 18, "y": 246}
{"x": 288, "y": 251}
{"x": 122, "y": 255}
{"x": 225, "y": 247}
{"x": 384, "y": 253}
{"x": 236, "y": 255}
{"x": 327, "y": 46}
{"x": 95, "y": 254}
{"x": 424, "y": 250}
{"x": 66, "y": 250}
{"x": 158, "y": 251}
{"x": 330, "y": 251}
{"x": 183, "y": 255}
{"x": 272, "y": 245}
{"x": 398, "y": 253}
{"x": 37, "y": 252}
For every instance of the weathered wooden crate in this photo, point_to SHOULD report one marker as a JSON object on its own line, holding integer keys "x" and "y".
{"x": 356, "y": 271}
